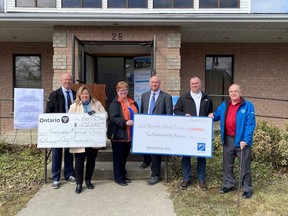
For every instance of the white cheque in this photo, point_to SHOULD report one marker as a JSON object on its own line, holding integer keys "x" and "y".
{"x": 71, "y": 130}
{"x": 173, "y": 135}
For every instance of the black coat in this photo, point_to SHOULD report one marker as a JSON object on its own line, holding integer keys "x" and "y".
{"x": 186, "y": 104}
{"x": 117, "y": 124}
{"x": 56, "y": 101}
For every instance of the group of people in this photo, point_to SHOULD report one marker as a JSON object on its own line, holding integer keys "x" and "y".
{"x": 237, "y": 124}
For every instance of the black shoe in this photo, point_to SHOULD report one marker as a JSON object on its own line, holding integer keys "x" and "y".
{"x": 224, "y": 190}
{"x": 154, "y": 180}
{"x": 89, "y": 184}
{"x": 121, "y": 183}
{"x": 126, "y": 180}
{"x": 78, "y": 189}
{"x": 144, "y": 165}
{"x": 247, "y": 195}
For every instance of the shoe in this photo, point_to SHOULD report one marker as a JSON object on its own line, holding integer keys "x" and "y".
{"x": 71, "y": 179}
{"x": 121, "y": 183}
{"x": 78, "y": 189}
{"x": 154, "y": 180}
{"x": 89, "y": 184}
{"x": 202, "y": 185}
{"x": 126, "y": 180}
{"x": 247, "y": 195}
{"x": 183, "y": 185}
{"x": 55, "y": 184}
{"x": 224, "y": 190}
{"x": 144, "y": 165}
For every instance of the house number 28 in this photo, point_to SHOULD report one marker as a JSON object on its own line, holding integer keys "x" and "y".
{"x": 117, "y": 36}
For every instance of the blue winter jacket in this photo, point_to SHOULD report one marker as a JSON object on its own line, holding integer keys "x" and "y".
{"x": 245, "y": 122}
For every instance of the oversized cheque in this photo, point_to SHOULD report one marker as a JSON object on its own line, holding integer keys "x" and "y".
{"x": 173, "y": 135}
{"x": 71, "y": 130}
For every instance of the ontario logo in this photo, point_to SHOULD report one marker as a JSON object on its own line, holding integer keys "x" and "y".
{"x": 65, "y": 119}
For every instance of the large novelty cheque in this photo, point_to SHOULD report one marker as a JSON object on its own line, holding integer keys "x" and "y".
{"x": 58, "y": 130}
{"x": 173, "y": 135}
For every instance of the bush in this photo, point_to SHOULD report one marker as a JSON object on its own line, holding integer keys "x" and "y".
{"x": 270, "y": 145}
{"x": 270, "y": 149}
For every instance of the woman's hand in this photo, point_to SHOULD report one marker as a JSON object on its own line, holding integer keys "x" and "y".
{"x": 130, "y": 122}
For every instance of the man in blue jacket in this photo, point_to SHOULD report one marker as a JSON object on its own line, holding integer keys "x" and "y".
{"x": 237, "y": 125}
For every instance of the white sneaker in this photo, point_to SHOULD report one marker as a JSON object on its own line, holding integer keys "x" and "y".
{"x": 55, "y": 184}
{"x": 71, "y": 179}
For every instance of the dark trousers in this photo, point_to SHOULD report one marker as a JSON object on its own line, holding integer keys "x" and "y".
{"x": 186, "y": 168}
{"x": 90, "y": 154}
{"x": 156, "y": 165}
{"x": 229, "y": 154}
{"x": 57, "y": 163}
{"x": 147, "y": 158}
{"x": 121, "y": 152}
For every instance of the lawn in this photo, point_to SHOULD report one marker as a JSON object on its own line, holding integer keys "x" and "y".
{"x": 270, "y": 195}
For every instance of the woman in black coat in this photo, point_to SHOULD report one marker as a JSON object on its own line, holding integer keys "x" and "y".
{"x": 121, "y": 115}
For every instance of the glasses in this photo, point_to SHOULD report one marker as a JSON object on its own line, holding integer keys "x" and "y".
{"x": 123, "y": 90}
{"x": 235, "y": 91}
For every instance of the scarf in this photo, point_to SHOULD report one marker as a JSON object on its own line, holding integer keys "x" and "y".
{"x": 86, "y": 106}
{"x": 126, "y": 113}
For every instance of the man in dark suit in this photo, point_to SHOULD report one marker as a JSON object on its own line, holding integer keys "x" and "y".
{"x": 159, "y": 103}
{"x": 194, "y": 103}
{"x": 59, "y": 101}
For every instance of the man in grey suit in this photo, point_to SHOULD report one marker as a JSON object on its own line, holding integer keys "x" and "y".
{"x": 155, "y": 102}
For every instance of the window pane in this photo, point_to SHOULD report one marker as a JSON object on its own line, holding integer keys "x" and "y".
{"x": 229, "y": 4}
{"x": 183, "y": 3}
{"x": 1, "y": 5}
{"x": 137, "y": 4}
{"x": 116, "y": 3}
{"x": 219, "y": 73}
{"x": 92, "y": 3}
{"x": 208, "y": 4}
{"x": 46, "y": 3}
{"x": 25, "y": 3}
{"x": 162, "y": 4}
{"x": 27, "y": 72}
{"x": 71, "y": 4}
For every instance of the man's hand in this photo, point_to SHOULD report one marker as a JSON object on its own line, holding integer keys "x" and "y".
{"x": 243, "y": 144}
{"x": 211, "y": 115}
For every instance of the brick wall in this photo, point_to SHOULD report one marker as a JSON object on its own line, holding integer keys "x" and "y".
{"x": 260, "y": 69}
{"x": 168, "y": 41}
{"x": 7, "y": 50}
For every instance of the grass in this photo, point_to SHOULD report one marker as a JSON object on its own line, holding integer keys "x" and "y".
{"x": 21, "y": 171}
{"x": 269, "y": 198}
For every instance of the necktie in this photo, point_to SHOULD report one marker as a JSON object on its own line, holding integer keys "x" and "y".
{"x": 152, "y": 103}
{"x": 68, "y": 99}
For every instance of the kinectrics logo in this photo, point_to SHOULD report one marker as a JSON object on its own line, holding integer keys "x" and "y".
{"x": 201, "y": 147}
{"x": 65, "y": 119}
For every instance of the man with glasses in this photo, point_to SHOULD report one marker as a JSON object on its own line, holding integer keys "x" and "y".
{"x": 237, "y": 125}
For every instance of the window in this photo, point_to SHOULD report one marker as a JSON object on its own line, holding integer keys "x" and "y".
{"x": 27, "y": 71}
{"x": 173, "y": 3}
{"x": 219, "y": 3}
{"x": 127, "y": 4}
{"x": 36, "y": 3}
{"x": 1, "y": 6}
{"x": 219, "y": 74}
{"x": 82, "y": 3}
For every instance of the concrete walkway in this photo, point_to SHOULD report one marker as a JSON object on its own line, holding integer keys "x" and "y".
{"x": 106, "y": 199}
